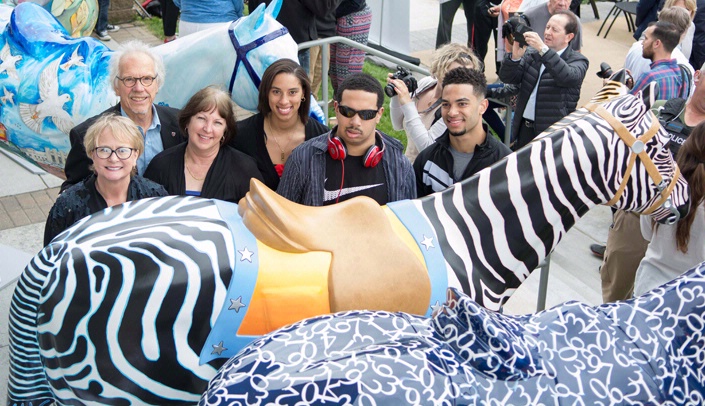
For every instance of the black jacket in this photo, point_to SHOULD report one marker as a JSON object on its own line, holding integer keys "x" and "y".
{"x": 298, "y": 16}
{"x": 559, "y": 89}
{"x": 83, "y": 199}
{"x": 697, "y": 55}
{"x": 78, "y": 162}
{"x": 434, "y": 165}
{"x": 227, "y": 179}
{"x": 250, "y": 140}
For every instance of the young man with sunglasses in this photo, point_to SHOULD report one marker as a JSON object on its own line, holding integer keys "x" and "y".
{"x": 354, "y": 158}
{"x": 137, "y": 74}
{"x": 464, "y": 148}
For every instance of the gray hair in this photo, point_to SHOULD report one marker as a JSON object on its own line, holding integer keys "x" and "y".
{"x": 131, "y": 48}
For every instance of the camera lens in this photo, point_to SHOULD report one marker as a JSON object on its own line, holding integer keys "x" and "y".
{"x": 389, "y": 90}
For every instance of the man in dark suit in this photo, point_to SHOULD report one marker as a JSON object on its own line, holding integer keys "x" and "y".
{"x": 137, "y": 75}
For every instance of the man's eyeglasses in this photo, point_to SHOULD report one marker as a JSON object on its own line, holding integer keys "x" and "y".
{"x": 122, "y": 153}
{"x": 350, "y": 113}
{"x": 131, "y": 82}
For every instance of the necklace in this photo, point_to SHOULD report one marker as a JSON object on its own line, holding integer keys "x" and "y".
{"x": 283, "y": 154}
{"x": 191, "y": 173}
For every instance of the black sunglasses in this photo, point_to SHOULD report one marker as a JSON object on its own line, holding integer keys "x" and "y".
{"x": 350, "y": 113}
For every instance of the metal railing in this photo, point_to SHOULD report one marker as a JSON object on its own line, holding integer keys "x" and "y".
{"x": 325, "y": 53}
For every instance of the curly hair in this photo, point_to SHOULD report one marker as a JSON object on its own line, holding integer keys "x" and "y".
{"x": 466, "y": 76}
{"x": 451, "y": 53}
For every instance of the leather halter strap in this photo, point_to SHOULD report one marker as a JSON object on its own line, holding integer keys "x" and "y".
{"x": 637, "y": 147}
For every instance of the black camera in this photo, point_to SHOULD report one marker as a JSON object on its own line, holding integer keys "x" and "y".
{"x": 605, "y": 71}
{"x": 515, "y": 28}
{"x": 405, "y": 76}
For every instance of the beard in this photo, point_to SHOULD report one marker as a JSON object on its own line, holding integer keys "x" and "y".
{"x": 458, "y": 133}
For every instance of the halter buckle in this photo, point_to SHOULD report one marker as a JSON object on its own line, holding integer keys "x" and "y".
{"x": 638, "y": 147}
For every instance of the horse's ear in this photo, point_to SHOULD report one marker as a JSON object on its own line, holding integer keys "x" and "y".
{"x": 648, "y": 94}
{"x": 274, "y": 7}
{"x": 255, "y": 19}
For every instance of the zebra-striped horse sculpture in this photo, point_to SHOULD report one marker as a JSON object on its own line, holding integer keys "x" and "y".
{"x": 140, "y": 303}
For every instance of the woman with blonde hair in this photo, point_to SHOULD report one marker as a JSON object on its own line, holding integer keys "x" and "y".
{"x": 674, "y": 249}
{"x": 113, "y": 143}
{"x": 416, "y": 114}
{"x": 686, "y": 44}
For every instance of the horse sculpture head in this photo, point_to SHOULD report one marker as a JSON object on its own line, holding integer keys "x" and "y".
{"x": 247, "y": 46}
{"x": 50, "y": 82}
{"x": 650, "y": 166}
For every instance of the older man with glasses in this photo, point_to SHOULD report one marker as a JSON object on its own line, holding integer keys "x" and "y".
{"x": 137, "y": 75}
{"x": 354, "y": 158}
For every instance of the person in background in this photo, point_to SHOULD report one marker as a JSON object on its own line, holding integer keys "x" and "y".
{"x": 448, "y": 8}
{"x": 102, "y": 27}
{"x": 635, "y": 61}
{"x": 299, "y": 17}
{"x": 417, "y": 114}
{"x": 465, "y": 147}
{"x": 485, "y": 27}
{"x": 137, "y": 75}
{"x": 697, "y": 55}
{"x": 554, "y": 67}
{"x": 326, "y": 28}
{"x": 199, "y": 15}
{"x": 205, "y": 165}
{"x": 686, "y": 44}
{"x": 660, "y": 39}
{"x": 674, "y": 249}
{"x": 354, "y": 158}
{"x": 646, "y": 13}
{"x": 538, "y": 17}
{"x": 283, "y": 121}
{"x": 353, "y": 21}
{"x": 114, "y": 144}
{"x": 170, "y": 18}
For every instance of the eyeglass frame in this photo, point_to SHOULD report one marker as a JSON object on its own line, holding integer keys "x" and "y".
{"x": 114, "y": 151}
{"x": 139, "y": 79}
{"x": 342, "y": 108}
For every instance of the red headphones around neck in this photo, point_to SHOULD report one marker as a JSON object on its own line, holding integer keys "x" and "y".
{"x": 373, "y": 156}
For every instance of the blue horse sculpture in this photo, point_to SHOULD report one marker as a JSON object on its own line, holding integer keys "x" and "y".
{"x": 50, "y": 82}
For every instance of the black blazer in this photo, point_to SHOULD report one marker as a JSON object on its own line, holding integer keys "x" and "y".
{"x": 227, "y": 179}
{"x": 78, "y": 163}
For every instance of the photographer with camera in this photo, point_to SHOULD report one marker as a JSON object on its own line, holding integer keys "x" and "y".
{"x": 550, "y": 73}
{"x": 413, "y": 107}
{"x": 538, "y": 17}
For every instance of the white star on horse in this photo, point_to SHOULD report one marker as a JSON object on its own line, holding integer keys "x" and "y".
{"x": 9, "y": 61}
{"x": 7, "y": 97}
{"x": 74, "y": 60}
{"x": 50, "y": 105}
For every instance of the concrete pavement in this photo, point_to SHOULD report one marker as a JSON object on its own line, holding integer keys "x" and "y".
{"x": 26, "y": 196}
